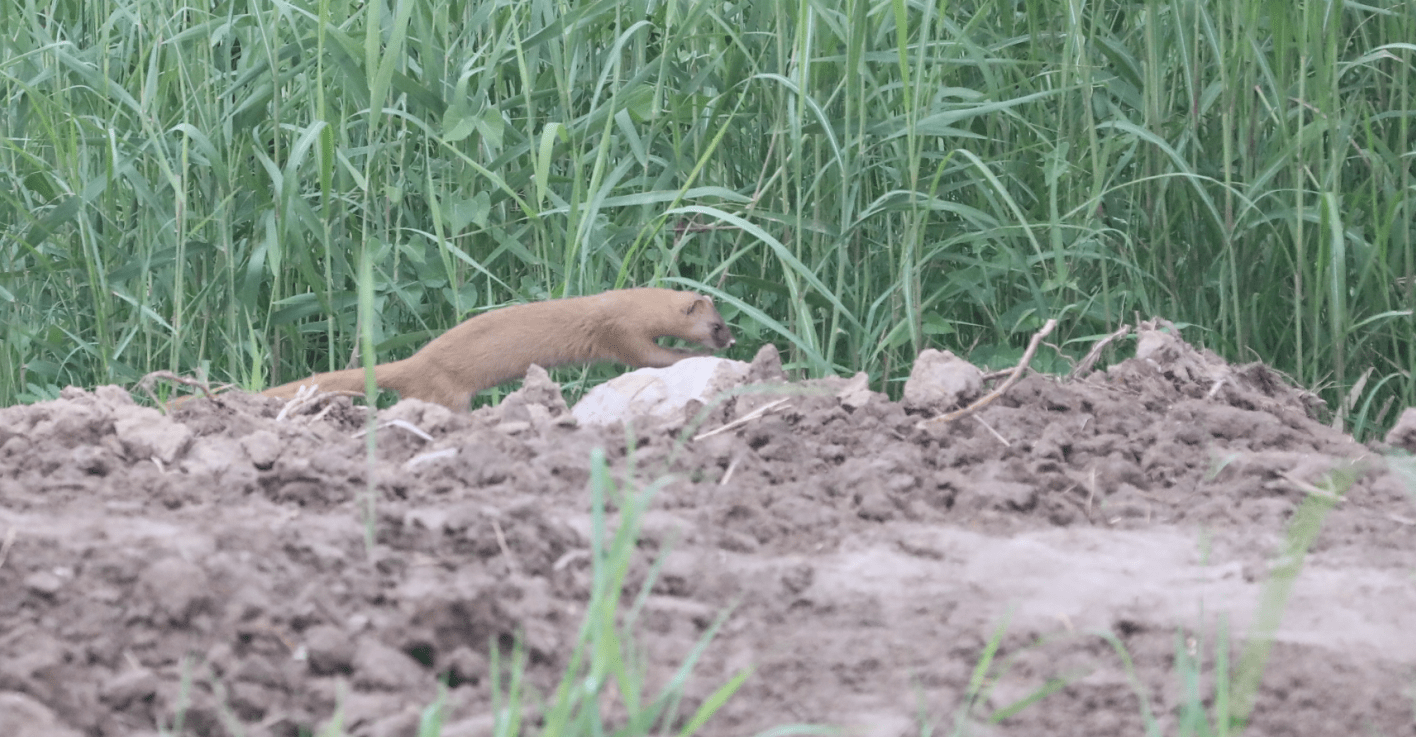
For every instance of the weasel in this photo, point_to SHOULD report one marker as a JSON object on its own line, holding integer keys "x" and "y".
{"x": 499, "y": 345}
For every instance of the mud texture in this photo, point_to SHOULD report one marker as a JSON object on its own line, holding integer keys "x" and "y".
{"x": 1139, "y": 510}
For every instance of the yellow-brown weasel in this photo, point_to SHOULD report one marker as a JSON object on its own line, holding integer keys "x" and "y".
{"x": 500, "y": 345}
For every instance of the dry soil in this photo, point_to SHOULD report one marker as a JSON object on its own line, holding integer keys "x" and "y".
{"x": 1111, "y": 527}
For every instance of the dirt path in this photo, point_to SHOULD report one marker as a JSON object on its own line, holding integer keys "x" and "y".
{"x": 870, "y": 560}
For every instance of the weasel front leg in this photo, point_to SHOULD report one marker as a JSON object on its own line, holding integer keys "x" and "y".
{"x": 653, "y": 355}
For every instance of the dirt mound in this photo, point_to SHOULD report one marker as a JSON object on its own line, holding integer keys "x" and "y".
{"x": 871, "y": 559}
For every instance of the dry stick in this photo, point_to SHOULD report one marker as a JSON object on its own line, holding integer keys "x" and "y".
{"x": 401, "y": 424}
{"x": 1308, "y": 488}
{"x": 731, "y": 467}
{"x": 989, "y": 428}
{"x": 1091, "y": 492}
{"x": 309, "y": 395}
{"x": 996, "y": 393}
{"x": 145, "y": 384}
{"x": 501, "y": 543}
{"x": 9, "y": 541}
{"x": 749, "y": 417}
{"x": 303, "y": 396}
{"x": 431, "y": 455}
{"x": 1085, "y": 366}
{"x": 569, "y": 558}
{"x": 991, "y": 375}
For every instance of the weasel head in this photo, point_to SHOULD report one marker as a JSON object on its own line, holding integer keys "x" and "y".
{"x": 705, "y": 325}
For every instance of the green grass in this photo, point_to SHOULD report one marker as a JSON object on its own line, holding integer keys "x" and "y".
{"x": 605, "y": 666}
{"x": 192, "y": 188}
{"x": 605, "y": 663}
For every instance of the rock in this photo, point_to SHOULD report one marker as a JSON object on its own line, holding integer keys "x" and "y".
{"x": 538, "y": 403}
{"x": 1403, "y": 433}
{"x": 145, "y": 433}
{"x": 466, "y": 665}
{"x": 431, "y": 418}
{"x": 996, "y": 494}
{"x": 478, "y": 726}
{"x": 136, "y": 684}
{"x": 329, "y": 650}
{"x": 262, "y": 447}
{"x": 856, "y": 393}
{"x": 94, "y": 460}
{"x": 23, "y": 716}
{"x": 941, "y": 381}
{"x": 179, "y": 588}
{"x": 113, "y": 396}
{"x": 766, "y": 366}
{"x": 660, "y": 393}
{"x": 875, "y": 505}
{"x": 378, "y": 666}
{"x": 213, "y": 457}
{"x": 45, "y": 583}
{"x": 399, "y": 724}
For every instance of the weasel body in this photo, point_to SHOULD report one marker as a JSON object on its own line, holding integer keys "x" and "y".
{"x": 483, "y": 351}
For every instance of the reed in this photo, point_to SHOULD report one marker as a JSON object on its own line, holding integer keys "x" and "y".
{"x": 192, "y": 188}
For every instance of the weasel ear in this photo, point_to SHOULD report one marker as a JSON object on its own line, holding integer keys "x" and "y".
{"x": 697, "y": 298}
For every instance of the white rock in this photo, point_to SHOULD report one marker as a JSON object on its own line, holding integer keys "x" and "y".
{"x": 659, "y": 392}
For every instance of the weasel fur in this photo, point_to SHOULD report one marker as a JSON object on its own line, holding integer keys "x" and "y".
{"x": 496, "y": 346}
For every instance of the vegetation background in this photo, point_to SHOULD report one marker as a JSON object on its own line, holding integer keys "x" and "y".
{"x": 193, "y": 187}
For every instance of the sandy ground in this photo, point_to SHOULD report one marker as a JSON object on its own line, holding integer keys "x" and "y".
{"x": 1139, "y": 510}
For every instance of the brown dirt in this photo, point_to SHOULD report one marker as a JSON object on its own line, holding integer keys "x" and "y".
{"x": 870, "y": 560}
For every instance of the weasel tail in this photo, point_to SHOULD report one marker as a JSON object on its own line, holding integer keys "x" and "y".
{"x": 483, "y": 351}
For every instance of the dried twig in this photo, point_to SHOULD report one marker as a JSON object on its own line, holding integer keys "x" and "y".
{"x": 729, "y": 473}
{"x": 309, "y": 395}
{"x": 401, "y": 424}
{"x": 749, "y": 417}
{"x": 568, "y": 558}
{"x": 1090, "y": 359}
{"x": 1308, "y": 488}
{"x": 9, "y": 542}
{"x": 433, "y": 455}
{"x": 994, "y": 375}
{"x": 501, "y": 543}
{"x": 989, "y": 428}
{"x": 988, "y": 398}
{"x": 147, "y": 382}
